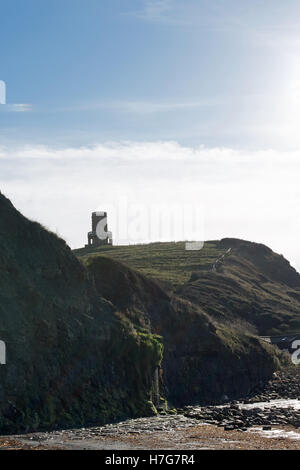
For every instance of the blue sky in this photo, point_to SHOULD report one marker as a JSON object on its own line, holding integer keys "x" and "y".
{"x": 189, "y": 100}
{"x": 198, "y": 71}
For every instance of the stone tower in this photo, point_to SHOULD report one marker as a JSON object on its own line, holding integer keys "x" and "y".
{"x": 99, "y": 235}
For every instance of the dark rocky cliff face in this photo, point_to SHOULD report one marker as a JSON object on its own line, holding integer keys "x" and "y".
{"x": 203, "y": 360}
{"x": 72, "y": 359}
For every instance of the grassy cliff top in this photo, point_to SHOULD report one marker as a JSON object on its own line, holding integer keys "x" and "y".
{"x": 167, "y": 262}
{"x": 230, "y": 279}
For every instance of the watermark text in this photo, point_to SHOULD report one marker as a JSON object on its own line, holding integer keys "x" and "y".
{"x": 2, "y": 353}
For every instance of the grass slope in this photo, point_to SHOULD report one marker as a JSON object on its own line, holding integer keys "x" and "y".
{"x": 167, "y": 262}
{"x": 232, "y": 280}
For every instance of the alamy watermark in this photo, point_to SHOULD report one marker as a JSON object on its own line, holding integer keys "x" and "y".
{"x": 296, "y": 354}
{"x": 2, "y": 353}
{"x": 2, "y": 92}
{"x": 135, "y": 223}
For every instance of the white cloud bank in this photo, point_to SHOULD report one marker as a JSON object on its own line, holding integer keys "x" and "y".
{"x": 251, "y": 195}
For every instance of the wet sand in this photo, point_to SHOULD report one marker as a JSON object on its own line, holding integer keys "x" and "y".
{"x": 158, "y": 433}
{"x": 206, "y": 437}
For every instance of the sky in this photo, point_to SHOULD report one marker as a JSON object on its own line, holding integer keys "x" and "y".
{"x": 120, "y": 105}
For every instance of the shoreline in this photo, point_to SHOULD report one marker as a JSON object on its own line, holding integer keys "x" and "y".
{"x": 201, "y": 437}
{"x": 269, "y": 419}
